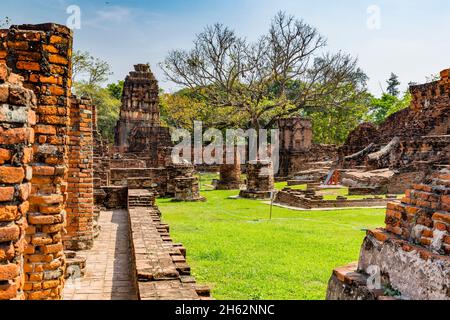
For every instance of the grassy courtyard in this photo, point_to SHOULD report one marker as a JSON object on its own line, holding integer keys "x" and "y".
{"x": 234, "y": 247}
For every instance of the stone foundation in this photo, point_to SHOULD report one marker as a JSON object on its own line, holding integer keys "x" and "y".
{"x": 260, "y": 181}
{"x": 309, "y": 200}
{"x": 412, "y": 254}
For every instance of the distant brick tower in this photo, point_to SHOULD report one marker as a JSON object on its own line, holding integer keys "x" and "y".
{"x": 140, "y": 104}
{"x": 295, "y": 140}
{"x": 139, "y": 128}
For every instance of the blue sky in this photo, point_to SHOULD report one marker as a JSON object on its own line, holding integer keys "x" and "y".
{"x": 412, "y": 41}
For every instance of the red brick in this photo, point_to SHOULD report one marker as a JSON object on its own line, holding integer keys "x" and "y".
{"x": 16, "y": 136}
{"x": 9, "y": 233}
{"x": 45, "y": 129}
{"x": 7, "y": 252}
{"x": 48, "y": 199}
{"x": 8, "y": 271}
{"x": 8, "y": 291}
{"x": 8, "y": 213}
{"x": 11, "y": 174}
{"x": 5, "y": 155}
{"x": 6, "y": 194}
{"x": 31, "y": 66}
{"x": 445, "y": 217}
{"x": 43, "y": 171}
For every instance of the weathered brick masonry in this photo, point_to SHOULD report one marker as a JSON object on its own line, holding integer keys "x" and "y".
{"x": 80, "y": 200}
{"x": 17, "y": 106}
{"x": 41, "y": 54}
{"x": 412, "y": 253}
{"x": 260, "y": 180}
{"x": 297, "y": 150}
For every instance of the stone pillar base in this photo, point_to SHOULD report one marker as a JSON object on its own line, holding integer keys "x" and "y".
{"x": 257, "y": 195}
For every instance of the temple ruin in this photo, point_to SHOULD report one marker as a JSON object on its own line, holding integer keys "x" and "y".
{"x": 409, "y": 259}
{"x": 299, "y": 156}
{"x": 406, "y": 148}
{"x": 65, "y": 192}
{"x": 260, "y": 180}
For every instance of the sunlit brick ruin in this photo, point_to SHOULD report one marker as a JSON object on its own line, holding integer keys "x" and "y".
{"x": 260, "y": 180}
{"x": 409, "y": 259}
{"x": 406, "y": 148}
{"x": 79, "y": 216}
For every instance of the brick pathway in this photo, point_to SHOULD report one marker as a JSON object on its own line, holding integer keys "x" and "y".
{"x": 108, "y": 264}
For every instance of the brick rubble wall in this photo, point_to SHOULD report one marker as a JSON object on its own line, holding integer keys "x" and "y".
{"x": 42, "y": 55}
{"x": 17, "y": 115}
{"x": 80, "y": 201}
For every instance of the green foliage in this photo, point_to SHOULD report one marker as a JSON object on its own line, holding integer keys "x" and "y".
{"x": 92, "y": 71}
{"x": 182, "y": 108}
{"x": 393, "y": 84}
{"x": 382, "y": 108}
{"x": 116, "y": 89}
{"x": 332, "y": 125}
{"x": 108, "y": 107}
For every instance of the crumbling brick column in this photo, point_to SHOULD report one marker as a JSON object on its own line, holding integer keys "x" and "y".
{"x": 42, "y": 55}
{"x": 17, "y": 106}
{"x": 260, "y": 180}
{"x": 80, "y": 201}
{"x": 230, "y": 173}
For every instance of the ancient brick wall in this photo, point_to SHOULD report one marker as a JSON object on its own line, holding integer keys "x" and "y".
{"x": 295, "y": 134}
{"x": 297, "y": 151}
{"x": 428, "y": 115}
{"x": 423, "y": 215}
{"x": 80, "y": 199}
{"x": 42, "y": 55}
{"x": 411, "y": 254}
{"x": 17, "y": 106}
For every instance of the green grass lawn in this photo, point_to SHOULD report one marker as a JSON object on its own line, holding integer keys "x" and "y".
{"x": 234, "y": 247}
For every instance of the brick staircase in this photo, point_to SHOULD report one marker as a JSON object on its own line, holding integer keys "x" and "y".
{"x": 140, "y": 198}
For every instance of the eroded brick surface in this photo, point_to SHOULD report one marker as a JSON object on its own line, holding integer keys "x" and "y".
{"x": 412, "y": 253}
{"x": 80, "y": 201}
{"x": 17, "y": 105}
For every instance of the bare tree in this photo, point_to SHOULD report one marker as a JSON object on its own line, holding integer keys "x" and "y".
{"x": 94, "y": 71}
{"x": 282, "y": 73}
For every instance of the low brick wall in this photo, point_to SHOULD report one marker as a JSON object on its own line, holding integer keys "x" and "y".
{"x": 298, "y": 200}
{"x": 161, "y": 269}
